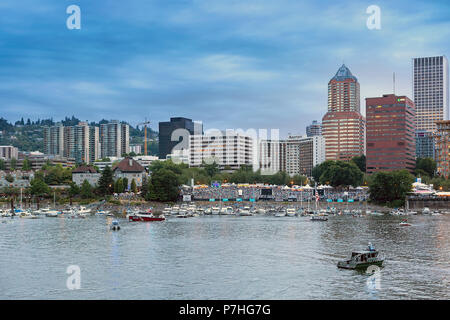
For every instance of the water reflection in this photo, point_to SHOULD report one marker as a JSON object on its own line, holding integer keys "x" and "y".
{"x": 256, "y": 257}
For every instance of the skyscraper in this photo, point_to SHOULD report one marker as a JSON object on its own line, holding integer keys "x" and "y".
{"x": 314, "y": 129}
{"x": 343, "y": 125}
{"x": 166, "y": 129}
{"x": 114, "y": 139}
{"x": 80, "y": 142}
{"x": 424, "y": 144}
{"x": 430, "y": 91}
{"x": 442, "y": 138}
{"x": 54, "y": 140}
{"x": 390, "y": 133}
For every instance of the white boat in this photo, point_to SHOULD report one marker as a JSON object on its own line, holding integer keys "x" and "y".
{"x": 229, "y": 211}
{"x": 261, "y": 211}
{"x": 167, "y": 211}
{"x": 102, "y": 212}
{"x": 83, "y": 210}
{"x": 245, "y": 211}
{"x": 282, "y": 213}
{"x": 290, "y": 212}
{"x": 175, "y": 210}
{"x": 223, "y": 211}
{"x": 208, "y": 211}
{"x": 426, "y": 210}
{"x": 215, "y": 211}
{"x": 52, "y": 213}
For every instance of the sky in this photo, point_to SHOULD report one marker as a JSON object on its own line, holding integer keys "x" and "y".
{"x": 232, "y": 64}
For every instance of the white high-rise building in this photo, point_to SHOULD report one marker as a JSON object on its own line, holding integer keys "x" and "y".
{"x": 430, "y": 91}
{"x": 114, "y": 139}
{"x": 297, "y": 155}
{"x": 228, "y": 149}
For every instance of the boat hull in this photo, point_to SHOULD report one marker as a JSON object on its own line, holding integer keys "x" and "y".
{"x": 345, "y": 265}
{"x": 144, "y": 219}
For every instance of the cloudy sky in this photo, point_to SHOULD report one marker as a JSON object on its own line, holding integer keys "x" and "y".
{"x": 229, "y": 63}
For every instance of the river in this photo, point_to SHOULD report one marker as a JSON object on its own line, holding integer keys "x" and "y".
{"x": 223, "y": 257}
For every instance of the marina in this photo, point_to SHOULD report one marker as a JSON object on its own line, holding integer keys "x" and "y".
{"x": 223, "y": 256}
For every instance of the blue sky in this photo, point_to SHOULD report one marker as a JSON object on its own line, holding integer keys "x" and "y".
{"x": 229, "y": 63}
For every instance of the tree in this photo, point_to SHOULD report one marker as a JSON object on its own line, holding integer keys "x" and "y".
{"x": 118, "y": 186}
{"x": 86, "y": 190}
{"x": 426, "y": 164}
{"x": 2, "y": 164}
{"x": 390, "y": 187}
{"x": 163, "y": 186}
{"x": 9, "y": 178}
{"x": 39, "y": 189}
{"x": 105, "y": 183}
{"x": 26, "y": 165}
{"x": 341, "y": 174}
{"x": 211, "y": 169}
{"x": 13, "y": 163}
{"x": 73, "y": 191}
{"x": 145, "y": 187}
{"x": 133, "y": 186}
{"x": 360, "y": 162}
{"x": 319, "y": 169}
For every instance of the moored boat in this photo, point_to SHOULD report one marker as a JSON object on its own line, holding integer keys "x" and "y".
{"x": 144, "y": 217}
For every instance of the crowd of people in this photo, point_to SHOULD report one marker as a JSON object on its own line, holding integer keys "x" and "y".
{"x": 234, "y": 192}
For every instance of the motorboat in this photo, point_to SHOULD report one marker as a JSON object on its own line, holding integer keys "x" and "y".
{"x": 167, "y": 211}
{"x": 115, "y": 226}
{"x": 290, "y": 212}
{"x": 144, "y": 216}
{"x": 426, "y": 210}
{"x": 208, "y": 211}
{"x": 405, "y": 223}
{"x": 83, "y": 210}
{"x": 261, "y": 211}
{"x": 215, "y": 211}
{"x": 362, "y": 259}
{"x": 245, "y": 211}
{"x": 316, "y": 217}
{"x": 101, "y": 212}
{"x": 175, "y": 210}
{"x": 282, "y": 213}
{"x": 52, "y": 213}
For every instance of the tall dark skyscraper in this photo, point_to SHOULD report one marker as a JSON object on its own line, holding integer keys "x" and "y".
{"x": 166, "y": 129}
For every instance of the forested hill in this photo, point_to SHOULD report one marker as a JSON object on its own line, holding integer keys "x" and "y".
{"x": 27, "y": 134}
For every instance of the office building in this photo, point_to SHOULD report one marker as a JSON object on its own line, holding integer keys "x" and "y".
{"x": 169, "y": 136}
{"x": 54, "y": 140}
{"x": 230, "y": 150}
{"x": 314, "y": 129}
{"x": 442, "y": 152}
{"x": 430, "y": 91}
{"x": 424, "y": 144}
{"x": 390, "y": 133}
{"x": 9, "y": 152}
{"x": 303, "y": 154}
{"x": 343, "y": 125}
{"x": 114, "y": 139}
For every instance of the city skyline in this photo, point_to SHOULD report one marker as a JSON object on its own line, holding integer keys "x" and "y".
{"x": 229, "y": 66}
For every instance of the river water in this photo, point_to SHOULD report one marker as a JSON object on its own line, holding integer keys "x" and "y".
{"x": 223, "y": 257}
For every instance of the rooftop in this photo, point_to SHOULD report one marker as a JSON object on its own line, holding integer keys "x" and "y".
{"x": 344, "y": 73}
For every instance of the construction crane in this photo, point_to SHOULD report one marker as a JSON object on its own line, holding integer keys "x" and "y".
{"x": 145, "y": 123}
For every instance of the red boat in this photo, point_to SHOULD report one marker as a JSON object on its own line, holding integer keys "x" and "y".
{"x": 145, "y": 216}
